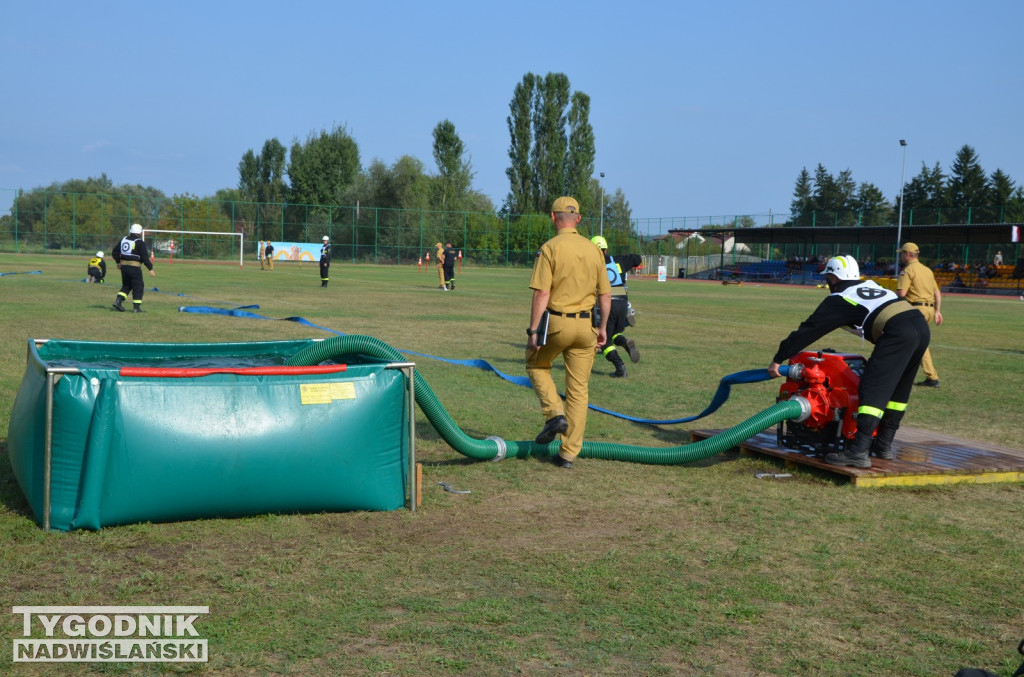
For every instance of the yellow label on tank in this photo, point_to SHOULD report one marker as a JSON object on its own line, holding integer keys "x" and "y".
{"x": 315, "y": 393}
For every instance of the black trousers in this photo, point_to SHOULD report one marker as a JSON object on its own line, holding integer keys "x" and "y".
{"x": 131, "y": 282}
{"x": 324, "y": 268}
{"x": 617, "y": 322}
{"x": 891, "y": 369}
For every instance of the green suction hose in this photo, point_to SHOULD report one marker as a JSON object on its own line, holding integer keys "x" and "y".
{"x": 495, "y": 448}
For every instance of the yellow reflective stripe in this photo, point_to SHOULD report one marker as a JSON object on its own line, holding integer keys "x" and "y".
{"x": 870, "y": 411}
{"x": 850, "y": 301}
{"x": 897, "y": 406}
{"x": 609, "y": 349}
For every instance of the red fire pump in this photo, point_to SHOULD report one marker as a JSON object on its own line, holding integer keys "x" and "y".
{"x": 828, "y": 381}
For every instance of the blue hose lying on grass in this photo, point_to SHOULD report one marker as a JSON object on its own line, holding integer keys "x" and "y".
{"x": 495, "y": 448}
{"x": 721, "y": 395}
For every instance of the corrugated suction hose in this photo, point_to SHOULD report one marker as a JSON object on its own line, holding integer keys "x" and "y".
{"x": 495, "y": 448}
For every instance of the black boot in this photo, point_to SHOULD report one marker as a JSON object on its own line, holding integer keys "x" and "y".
{"x": 556, "y": 425}
{"x": 881, "y": 446}
{"x": 629, "y": 345}
{"x": 855, "y": 454}
{"x": 620, "y": 367}
{"x": 118, "y": 306}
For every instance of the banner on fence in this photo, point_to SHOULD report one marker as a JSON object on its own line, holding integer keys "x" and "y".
{"x": 296, "y": 251}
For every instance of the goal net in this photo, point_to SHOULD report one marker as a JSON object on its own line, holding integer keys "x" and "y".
{"x": 196, "y": 245}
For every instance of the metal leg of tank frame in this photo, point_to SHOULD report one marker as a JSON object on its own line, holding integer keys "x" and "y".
{"x": 409, "y": 370}
{"x": 48, "y": 450}
{"x": 410, "y": 374}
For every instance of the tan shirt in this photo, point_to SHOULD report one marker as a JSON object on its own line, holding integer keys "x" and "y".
{"x": 571, "y": 268}
{"x": 918, "y": 282}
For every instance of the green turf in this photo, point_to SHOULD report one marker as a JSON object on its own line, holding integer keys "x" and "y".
{"x": 608, "y": 569}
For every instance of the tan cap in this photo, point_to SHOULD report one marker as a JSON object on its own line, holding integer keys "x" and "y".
{"x": 910, "y": 248}
{"x": 566, "y": 205}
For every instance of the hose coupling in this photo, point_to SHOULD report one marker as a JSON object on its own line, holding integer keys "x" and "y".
{"x": 805, "y": 408}
{"x": 502, "y": 448}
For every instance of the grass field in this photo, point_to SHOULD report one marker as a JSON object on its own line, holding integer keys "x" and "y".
{"x": 608, "y": 569}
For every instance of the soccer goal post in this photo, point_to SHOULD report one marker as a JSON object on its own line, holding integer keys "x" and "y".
{"x": 184, "y": 240}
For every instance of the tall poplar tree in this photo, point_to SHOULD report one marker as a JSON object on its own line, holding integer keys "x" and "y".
{"x": 580, "y": 159}
{"x": 550, "y": 142}
{"x": 520, "y": 129}
{"x": 552, "y": 148}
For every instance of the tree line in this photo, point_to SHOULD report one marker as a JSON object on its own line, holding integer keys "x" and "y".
{"x": 283, "y": 190}
{"x": 965, "y": 195}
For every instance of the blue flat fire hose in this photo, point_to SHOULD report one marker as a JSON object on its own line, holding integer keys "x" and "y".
{"x": 721, "y": 394}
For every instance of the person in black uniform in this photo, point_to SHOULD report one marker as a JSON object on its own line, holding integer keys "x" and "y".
{"x": 325, "y": 261}
{"x": 449, "y": 266}
{"x": 900, "y": 334}
{"x": 97, "y": 269}
{"x": 130, "y": 255}
{"x": 621, "y": 311}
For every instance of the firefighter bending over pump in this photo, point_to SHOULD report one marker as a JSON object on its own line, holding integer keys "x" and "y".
{"x": 900, "y": 334}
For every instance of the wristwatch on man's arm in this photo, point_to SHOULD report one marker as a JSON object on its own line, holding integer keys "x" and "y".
{"x": 530, "y": 332}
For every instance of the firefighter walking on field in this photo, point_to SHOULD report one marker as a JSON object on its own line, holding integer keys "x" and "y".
{"x": 130, "y": 255}
{"x": 450, "y": 256}
{"x": 621, "y": 311}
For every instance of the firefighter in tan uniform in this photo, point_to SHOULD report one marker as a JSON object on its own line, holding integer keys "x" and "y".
{"x": 568, "y": 278}
{"x": 439, "y": 257}
{"x": 917, "y": 285}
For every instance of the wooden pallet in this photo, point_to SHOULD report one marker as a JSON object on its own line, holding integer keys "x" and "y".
{"x": 921, "y": 457}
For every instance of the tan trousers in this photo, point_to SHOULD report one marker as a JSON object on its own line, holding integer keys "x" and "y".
{"x": 926, "y": 360}
{"x": 574, "y": 339}
{"x": 440, "y": 274}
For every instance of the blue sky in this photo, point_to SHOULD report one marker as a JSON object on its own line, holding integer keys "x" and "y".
{"x": 698, "y": 108}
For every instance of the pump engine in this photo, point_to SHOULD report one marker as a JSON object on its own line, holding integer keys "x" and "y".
{"x": 828, "y": 382}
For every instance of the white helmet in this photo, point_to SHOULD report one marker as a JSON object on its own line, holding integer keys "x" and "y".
{"x": 136, "y": 229}
{"x": 326, "y": 238}
{"x": 843, "y": 267}
{"x": 99, "y": 255}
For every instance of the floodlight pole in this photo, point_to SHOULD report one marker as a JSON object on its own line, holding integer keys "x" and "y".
{"x": 899, "y": 223}
{"x": 602, "y": 203}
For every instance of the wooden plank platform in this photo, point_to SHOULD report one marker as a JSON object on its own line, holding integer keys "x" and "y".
{"x": 921, "y": 457}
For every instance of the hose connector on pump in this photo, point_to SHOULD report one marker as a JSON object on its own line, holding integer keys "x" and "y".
{"x": 794, "y": 371}
{"x": 805, "y": 408}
